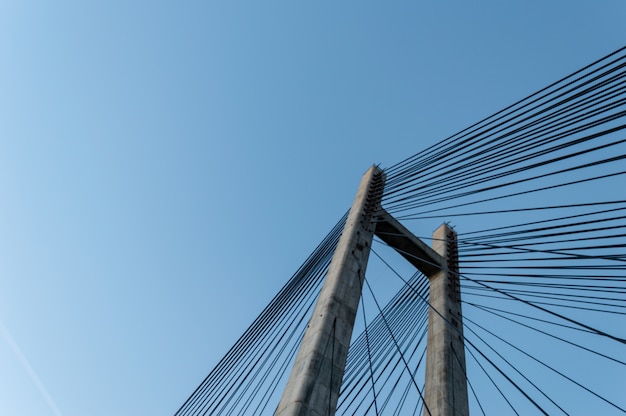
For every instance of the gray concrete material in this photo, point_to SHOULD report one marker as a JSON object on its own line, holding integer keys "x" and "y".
{"x": 416, "y": 252}
{"x": 446, "y": 384}
{"x": 315, "y": 379}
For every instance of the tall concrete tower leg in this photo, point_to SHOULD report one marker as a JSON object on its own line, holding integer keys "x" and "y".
{"x": 446, "y": 383}
{"x": 315, "y": 379}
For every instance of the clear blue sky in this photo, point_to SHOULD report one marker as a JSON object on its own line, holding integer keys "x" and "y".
{"x": 166, "y": 166}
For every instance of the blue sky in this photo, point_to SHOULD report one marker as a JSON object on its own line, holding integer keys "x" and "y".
{"x": 166, "y": 166}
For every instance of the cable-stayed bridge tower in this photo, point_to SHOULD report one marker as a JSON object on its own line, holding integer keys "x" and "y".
{"x": 315, "y": 380}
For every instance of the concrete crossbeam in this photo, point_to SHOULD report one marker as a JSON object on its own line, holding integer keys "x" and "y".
{"x": 416, "y": 252}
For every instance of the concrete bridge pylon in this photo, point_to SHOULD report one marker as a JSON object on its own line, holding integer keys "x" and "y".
{"x": 315, "y": 379}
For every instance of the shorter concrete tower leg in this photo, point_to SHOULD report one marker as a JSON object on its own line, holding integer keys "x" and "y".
{"x": 446, "y": 382}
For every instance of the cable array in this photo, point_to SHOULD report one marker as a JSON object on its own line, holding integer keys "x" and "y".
{"x": 567, "y": 134}
{"x": 536, "y": 195}
{"x": 560, "y": 281}
{"x": 397, "y": 337}
{"x": 246, "y": 379}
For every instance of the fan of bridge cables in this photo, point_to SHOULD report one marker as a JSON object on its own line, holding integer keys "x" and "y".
{"x": 536, "y": 193}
